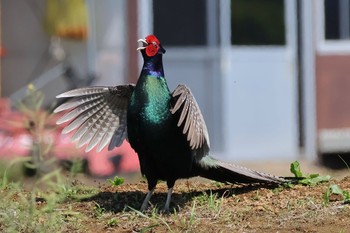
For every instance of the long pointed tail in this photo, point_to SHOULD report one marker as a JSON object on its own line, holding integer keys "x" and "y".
{"x": 231, "y": 173}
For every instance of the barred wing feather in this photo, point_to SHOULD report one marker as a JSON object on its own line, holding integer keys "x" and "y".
{"x": 191, "y": 120}
{"x": 97, "y": 114}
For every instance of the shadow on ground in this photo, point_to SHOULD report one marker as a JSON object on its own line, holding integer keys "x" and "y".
{"x": 120, "y": 201}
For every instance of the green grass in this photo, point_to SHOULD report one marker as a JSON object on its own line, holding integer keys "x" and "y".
{"x": 21, "y": 212}
{"x": 39, "y": 207}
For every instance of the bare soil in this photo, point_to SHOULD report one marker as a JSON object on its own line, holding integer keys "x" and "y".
{"x": 202, "y": 206}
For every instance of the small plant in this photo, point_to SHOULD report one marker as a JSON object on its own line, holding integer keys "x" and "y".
{"x": 155, "y": 220}
{"x": 112, "y": 222}
{"x": 307, "y": 179}
{"x": 256, "y": 197}
{"x": 193, "y": 212}
{"x": 98, "y": 210}
{"x": 219, "y": 184}
{"x": 37, "y": 122}
{"x": 76, "y": 167}
{"x": 336, "y": 190}
{"x": 211, "y": 200}
{"x": 116, "y": 181}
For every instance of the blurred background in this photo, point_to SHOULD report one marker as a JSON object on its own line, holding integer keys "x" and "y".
{"x": 271, "y": 76}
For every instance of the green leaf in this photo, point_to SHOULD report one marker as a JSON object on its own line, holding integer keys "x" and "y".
{"x": 314, "y": 180}
{"x": 314, "y": 175}
{"x": 346, "y": 196}
{"x": 295, "y": 169}
{"x": 326, "y": 196}
{"x": 335, "y": 189}
{"x": 116, "y": 181}
{"x": 307, "y": 179}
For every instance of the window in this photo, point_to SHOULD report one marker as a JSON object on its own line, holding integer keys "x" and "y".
{"x": 333, "y": 26}
{"x": 187, "y": 23}
{"x": 180, "y": 22}
{"x": 257, "y": 22}
{"x": 337, "y": 19}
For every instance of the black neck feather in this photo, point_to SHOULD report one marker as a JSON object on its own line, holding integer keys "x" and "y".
{"x": 153, "y": 65}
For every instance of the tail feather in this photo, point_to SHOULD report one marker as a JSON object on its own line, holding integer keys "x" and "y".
{"x": 231, "y": 173}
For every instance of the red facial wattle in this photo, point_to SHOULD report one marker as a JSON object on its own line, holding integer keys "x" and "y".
{"x": 153, "y": 45}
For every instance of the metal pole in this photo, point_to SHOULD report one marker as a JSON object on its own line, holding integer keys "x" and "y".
{"x": 132, "y": 10}
{"x": 309, "y": 79}
{"x": 344, "y": 17}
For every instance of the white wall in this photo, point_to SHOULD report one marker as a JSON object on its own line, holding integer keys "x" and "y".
{"x": 261, "y": 105}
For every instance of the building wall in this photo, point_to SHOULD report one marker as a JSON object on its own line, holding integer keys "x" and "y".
{"x": 332, "y": 83}
{"x": 332, "y": 98}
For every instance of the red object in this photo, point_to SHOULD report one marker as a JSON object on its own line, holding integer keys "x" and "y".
{"x": 153, "y": 45}
{"x": 15, "y": 140}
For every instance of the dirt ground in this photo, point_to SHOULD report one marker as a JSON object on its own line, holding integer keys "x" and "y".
{"x": 202, "y": 206}
{"x": 198, "y": 205}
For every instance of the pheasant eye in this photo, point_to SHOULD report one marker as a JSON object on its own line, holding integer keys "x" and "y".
{"x": 155, "y": 44}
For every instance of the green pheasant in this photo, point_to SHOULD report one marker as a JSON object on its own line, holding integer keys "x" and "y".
{"x": 166, "y": 129}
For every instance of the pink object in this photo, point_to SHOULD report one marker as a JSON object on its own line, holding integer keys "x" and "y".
{"x": 15, "y": 140}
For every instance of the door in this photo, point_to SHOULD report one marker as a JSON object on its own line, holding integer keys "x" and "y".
{"x": 260, "y": 80}
{"x": 193, "y": 55}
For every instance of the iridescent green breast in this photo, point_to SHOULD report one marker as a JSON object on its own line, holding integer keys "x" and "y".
{"x": 157, "y": 103}
{"x": 151, "y": 100}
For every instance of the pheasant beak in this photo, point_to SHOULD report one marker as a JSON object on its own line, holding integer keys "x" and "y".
{"x": 144, "y": 44}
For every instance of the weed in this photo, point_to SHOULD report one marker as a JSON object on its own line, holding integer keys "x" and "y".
{"x": 149, "y": 228}
{"x": 295, "y": 169}
{"x": 20, "y": 212}
{"x": 193, "y": 212}
{"x": 278, "y": 189}
{"x": 116, "y": 181}
{"x": 336, "y": 190}
{"x": 77, "y": 167}
{"x": 155, "y": 219}
{"x": 36, "y": 122}
{"x": 219, "y": 184}
{"x": 307, "y": 179}
{"x": 210, "y": 203}
{"x": 112, "y": 222}
{"x": 210, "y": 200}
{"x": 256, "y": 197}
{"x": 40, "y": 209}
{"x": 98, "y": 210}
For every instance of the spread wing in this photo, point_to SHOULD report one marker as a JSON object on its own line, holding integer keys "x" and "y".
{"x": 191, "y": 120}
{"x": 98, "y": 114}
